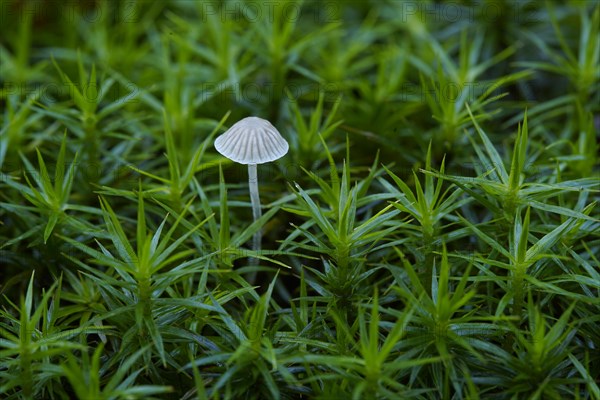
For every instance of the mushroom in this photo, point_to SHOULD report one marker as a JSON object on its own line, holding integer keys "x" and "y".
{"x": 252, "y": 141}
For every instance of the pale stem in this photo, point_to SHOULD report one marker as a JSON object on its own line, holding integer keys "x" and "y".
{"x": 255, "y": 200}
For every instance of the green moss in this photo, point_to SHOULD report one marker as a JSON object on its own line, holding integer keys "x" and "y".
{"x": 431, "y": 234}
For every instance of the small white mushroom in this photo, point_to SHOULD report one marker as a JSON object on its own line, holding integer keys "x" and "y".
{"x": 252, "y": 141}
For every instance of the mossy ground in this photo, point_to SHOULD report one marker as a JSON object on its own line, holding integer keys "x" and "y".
{"x": 433, "y": 232}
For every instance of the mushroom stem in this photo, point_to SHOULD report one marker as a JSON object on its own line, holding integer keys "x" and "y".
{"x": 255, "y": 200}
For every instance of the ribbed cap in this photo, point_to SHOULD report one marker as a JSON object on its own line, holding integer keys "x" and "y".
{"x": 252, "y": 140}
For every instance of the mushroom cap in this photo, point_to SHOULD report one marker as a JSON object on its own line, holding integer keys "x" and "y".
{"x": 252, "y": 140}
